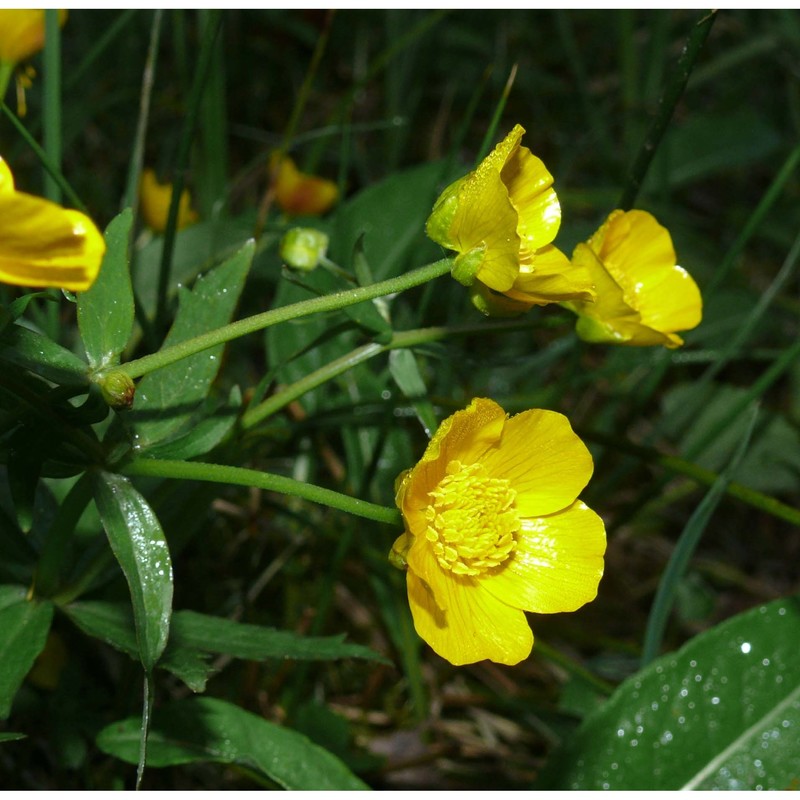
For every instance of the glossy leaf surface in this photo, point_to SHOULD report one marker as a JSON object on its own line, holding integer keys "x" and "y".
{"x": 721, "y": 713}
{"x": 105, "y": 312}
{"x": 206, "y": 729}
{"x": 24, "y": 625}
{"x": 167, "y": 398}
{"x": 138, "y": 542}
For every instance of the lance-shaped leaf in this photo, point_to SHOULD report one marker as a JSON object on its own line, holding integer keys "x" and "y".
{"x": 24, "y": 625}
{"x": 138, "y": 542}
{"x": 205, "y": 729}
{"x": 167, "y": 398}
{"x": 105, "y": 312}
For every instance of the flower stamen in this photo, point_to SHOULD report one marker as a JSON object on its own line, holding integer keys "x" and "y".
{"x": 472, "y": 520}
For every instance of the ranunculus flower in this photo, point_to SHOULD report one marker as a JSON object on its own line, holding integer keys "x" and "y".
{"x": 501, "y": 219}
{"x": 43, "y": 244}
{"x": 493, "y": 528}
{"x": 154, "y": 200}
{"x": 297, "y": 193}
{"x": 643, "y": 296}
{"x": 22, "y": 32}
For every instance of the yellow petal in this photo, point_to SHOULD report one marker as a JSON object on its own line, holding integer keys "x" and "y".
{"x": 548, "y": 276}
{"x": 544, "y": 461}
{"x": 43, "y": 244}
{"x": 484, "y": 217}
{"x": 557, "y": 564}
{"x": 6, "y": 178}
{"x": 22, "y": 32}
{"x": 465, "y": 436}
{"x": 300, "y": 194}
{"x": 155, "y": 198}
{"x": 643, "y": 297}
{"x": 468, "y": 624}
{"x": 529, "y": 186}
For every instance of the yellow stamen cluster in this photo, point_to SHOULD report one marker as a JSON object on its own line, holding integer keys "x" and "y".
{"x": 472, "y": 520}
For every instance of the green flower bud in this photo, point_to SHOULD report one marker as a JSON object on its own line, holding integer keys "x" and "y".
{"x": 117, "y": 389}
{"x": 304, "y": 248}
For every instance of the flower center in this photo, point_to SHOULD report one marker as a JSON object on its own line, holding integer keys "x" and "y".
{"x": 472, "y": 520}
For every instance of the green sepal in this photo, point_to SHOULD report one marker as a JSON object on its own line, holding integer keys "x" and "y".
{"x": 440, "y": 222}
{"x": 467, "y": 265}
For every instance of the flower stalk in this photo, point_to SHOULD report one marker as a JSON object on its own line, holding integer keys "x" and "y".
{"x": 242, "y": 327}
{"x": 240, "y": 476}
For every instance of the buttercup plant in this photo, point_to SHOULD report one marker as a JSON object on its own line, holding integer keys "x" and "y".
{"x": 180, "y": 495}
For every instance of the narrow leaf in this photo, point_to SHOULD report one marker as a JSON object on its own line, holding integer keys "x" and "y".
{"x": 105, "y": 312}
{"x": 405, "y": 371}
{"x": 205, "y": 729}
{"x": 138, "y": 542}
{"x": 23, "y": 632}
{"x": 167, "y": 398}
{"x": 40, "y": 354}
{"x": 218, "y": 635}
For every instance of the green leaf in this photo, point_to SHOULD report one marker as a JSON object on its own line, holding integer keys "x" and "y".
{"x": 167, "y": 398}
{"x": 390, "y": 216}
{"x": 113, "y": 623}
{"x": 721, "y": 713}
{"x": 209, "y": 431}
{"x": 205, "y": 729}
{"x": 24, "y": 625}
{"x": 40, "y": 354}
{"x": 138, "y": 542}
{"x": 105, "y": 312}
{"x": 11, "y": 737}
{"x": 219, "y": 635}
{"x": 405, "y": 371}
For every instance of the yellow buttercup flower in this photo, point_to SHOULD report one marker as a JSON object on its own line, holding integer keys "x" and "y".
{"x": 43, "y": 244}
{"x": 297, "y": 193}
{"x": 22, "y": 32}
{"x": 493, "y": 528}
{"x": 154, "y": 200}
{"x": 643, "y": 296}
{"x": 501, "y": 220}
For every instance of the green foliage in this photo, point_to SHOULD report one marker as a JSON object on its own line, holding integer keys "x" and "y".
{"x": 204, "y": 408}
{"x": 719, "y": 714}
{"x": 205, "y": 729}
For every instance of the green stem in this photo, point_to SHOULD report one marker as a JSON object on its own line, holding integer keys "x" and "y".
{"x": 52, "y": 169}
{"x": 6, "y": 71}
{"x": 666, "y": 107}
{"x": 361, "y": 354}
{"x": 698, "y": 474}
{"x": 210, "y": 30}
{"x": 239, "y": 476}
{"x": 52, "y": 100}
{"x": 315, "y": 305}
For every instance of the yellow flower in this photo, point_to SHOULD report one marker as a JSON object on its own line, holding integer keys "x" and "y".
{"x": 22, "y": 33}
{"x": 643, "y": 297}
{"x": 297, "y": 193}
{"x": 154, "y": 199}
{"x": 501, "y": 220}
{"x": 43, "y": 244}
{"x": 493, "y": 528}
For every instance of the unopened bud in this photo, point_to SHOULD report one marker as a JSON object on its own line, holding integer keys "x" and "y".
{"x": 118, "y": 389}
{"x": 304, "y": 248}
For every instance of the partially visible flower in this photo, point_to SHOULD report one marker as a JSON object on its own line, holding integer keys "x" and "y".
{"x": 501, "y": 219}
{"x": 22, "y": 32}
{"x": 154, "y": 199}
{"x": 43, "y": 244}
{"x": 303, "y": 248}
{"x": 21, "y": 35}
{"x": 297, "y": 193}
{"x": 643, "y": 296}
{"x": 493, "y": 528}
